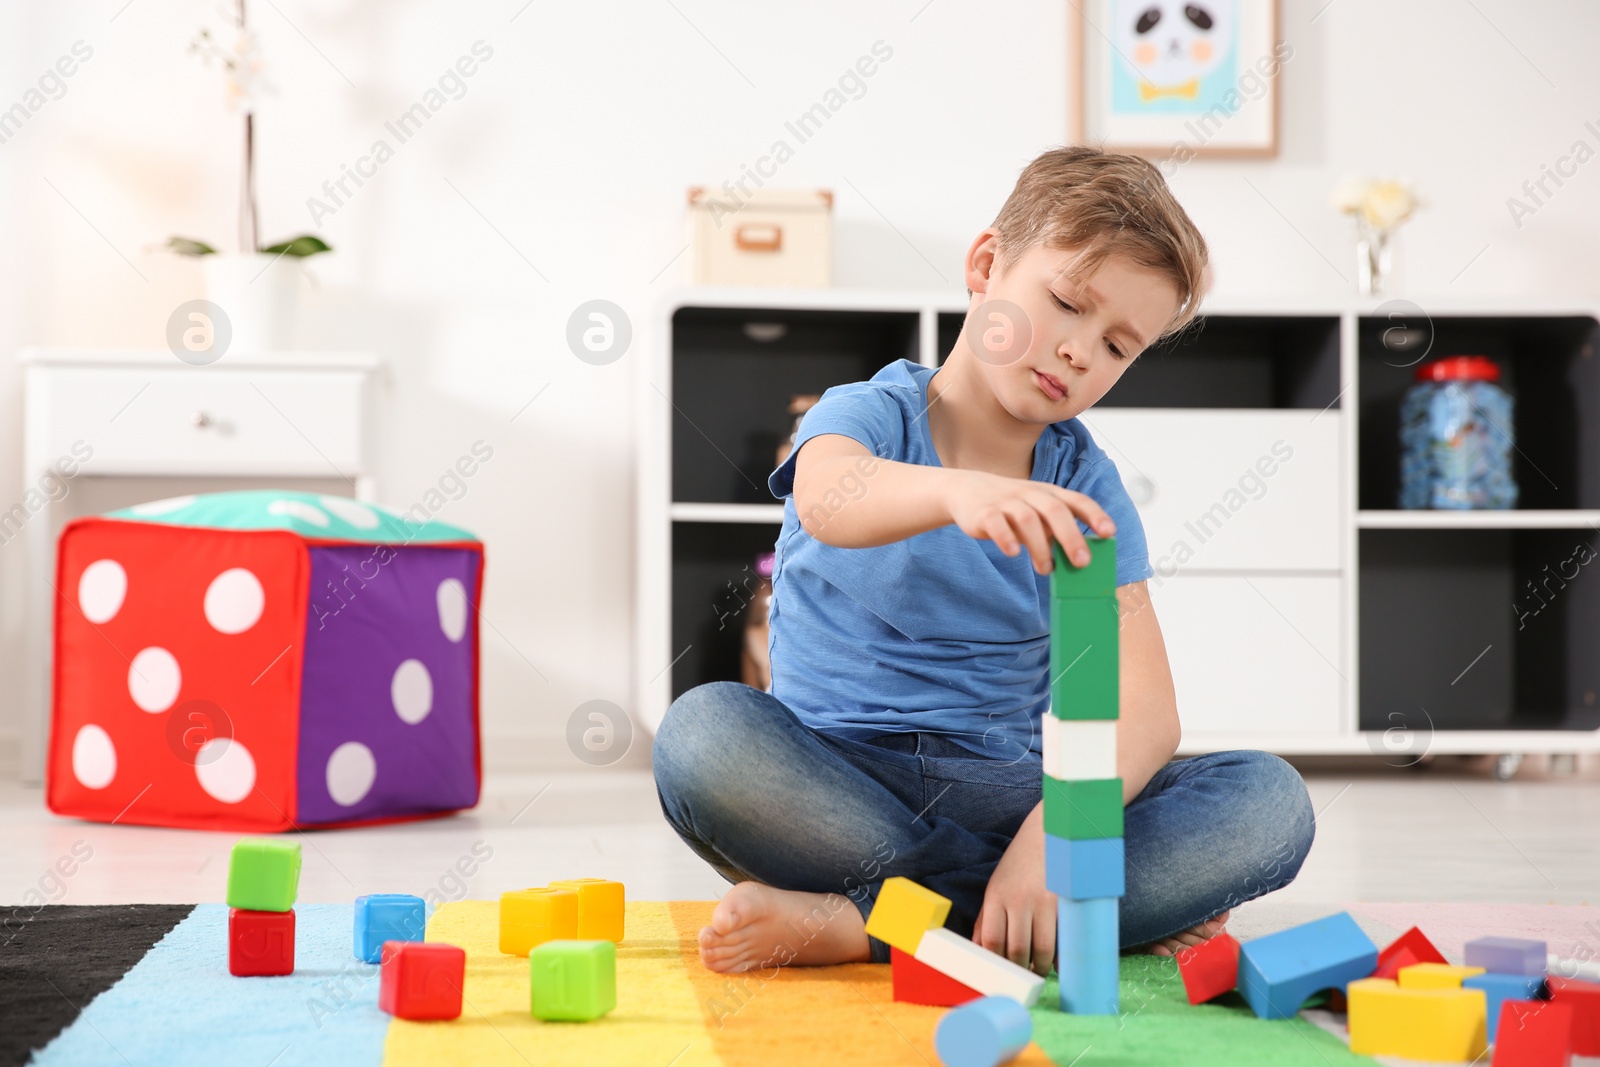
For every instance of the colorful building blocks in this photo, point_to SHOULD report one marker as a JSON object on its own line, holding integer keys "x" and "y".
{"x": 917, "y": 983}
{"x": 1534, "y": 1033}
{"x": 530, "y": 917}
{"x": 1087, "y": 955}
{"x": 260, "y": 942}
{"x": 976, "y": 967}
{"x": 384, "y": 917}
{"x": 602, "y": 907}
{"x": 263, "y": 874}
{"x": 1434, "y": 976}
{"x": 1278, "y": 972}
{"x": 985, "y": 1032}
{"x": 1210, "y": 968}
{"x": 903, "y": 912}
{"x": 1084, "y": 869}
{"x": 572, "y": 981}
{"x": 1083, "y": 809}
{"x": 1419, "y": 1024}
{"x": 1499, "y": 988}
{"x": 1507, "y": 955}
{"x": 422, "y": 980}
{"x": 1584, "y": 999}
{"x": 1076, "y": 749}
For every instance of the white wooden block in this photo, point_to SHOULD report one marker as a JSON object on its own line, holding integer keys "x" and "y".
{"x": 973, "y": 965}
{"x": 1075, "y": 750}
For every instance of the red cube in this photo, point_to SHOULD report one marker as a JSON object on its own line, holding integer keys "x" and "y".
{"x": 422, "y": 980}
{"x": 1584, "y": 999}
{"x": 1210, "y": 968}
{"x": 1534, "y": 1033}
{"x": 917, "y": 983}
{"x": 260, "y": 942}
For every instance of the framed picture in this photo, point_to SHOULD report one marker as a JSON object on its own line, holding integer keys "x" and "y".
{"x": 1171, "y": 79}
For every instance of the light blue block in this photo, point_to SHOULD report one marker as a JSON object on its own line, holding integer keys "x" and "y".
{"x": 384, "y": 917}
{"x": 1278, "y": 972}
{"x": 1499, "y": 988}
{"x": 982, "y": 1033}
{"x": 1084, "y": 869}
{"x": 1507, "y": 955}
{"x": 1087, "y": 950}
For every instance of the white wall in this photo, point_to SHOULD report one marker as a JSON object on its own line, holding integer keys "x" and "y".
{"x": 576, "y": 142}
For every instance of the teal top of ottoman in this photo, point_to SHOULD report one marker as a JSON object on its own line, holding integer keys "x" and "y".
{"x": 311, "y": 515}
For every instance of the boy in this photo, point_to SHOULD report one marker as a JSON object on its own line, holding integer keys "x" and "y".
{"x": 910, "y": 624}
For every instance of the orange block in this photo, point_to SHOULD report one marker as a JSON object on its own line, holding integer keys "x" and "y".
{"x": 601, "y": 905}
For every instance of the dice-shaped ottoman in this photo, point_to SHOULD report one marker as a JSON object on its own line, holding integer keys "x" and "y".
{"x": 264, "y": 660}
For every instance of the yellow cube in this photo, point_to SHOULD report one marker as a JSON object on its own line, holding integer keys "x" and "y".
{"x": 1419, "y": 1024}
{"x": 600, "y": 907}
{"x": 1435, "y": 976}
{"x": 530, "y": 917}
{"x": 904, "y": 912}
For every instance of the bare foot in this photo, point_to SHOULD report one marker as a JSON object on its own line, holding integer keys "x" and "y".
{"x": 1195, "y": 935}
{"x": 755, "y": 925}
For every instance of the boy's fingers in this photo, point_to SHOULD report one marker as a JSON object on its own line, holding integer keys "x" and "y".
{"x": 1029, "y": 526}
{"x": 990, "y": 930}
{"x": 1087, "y": 508}
{"x": 1019, "y": 938}
{"x": 999, "y": 531}
{"x": 1044, "y": 941}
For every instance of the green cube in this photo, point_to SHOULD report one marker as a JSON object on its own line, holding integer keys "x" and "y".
{"x": 1098, "y": 578}
{"x": 573, "y": 980}
{"x": 1080, "y": 810}
{"x": 1083, "y": 658}
{"x": 263, "y": 874}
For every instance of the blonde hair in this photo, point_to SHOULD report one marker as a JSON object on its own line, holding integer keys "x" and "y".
{"x": 1082, "y": 197}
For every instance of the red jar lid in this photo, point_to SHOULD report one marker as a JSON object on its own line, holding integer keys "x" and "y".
{"x": 1454, "y": 368}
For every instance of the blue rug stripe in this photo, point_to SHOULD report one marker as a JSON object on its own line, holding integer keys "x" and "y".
{"x": 179, "y": 1005}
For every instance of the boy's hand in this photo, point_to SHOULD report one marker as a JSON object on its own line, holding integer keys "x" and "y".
{"x": 1013, "y": 512}
{"x": 1018, "y": 917}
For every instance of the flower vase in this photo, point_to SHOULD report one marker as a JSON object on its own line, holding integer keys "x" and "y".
{"x": 259, "y": 294}
{"x": 1372, "y": 261}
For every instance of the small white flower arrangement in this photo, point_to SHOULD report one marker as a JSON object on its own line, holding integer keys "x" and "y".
{"x": 1379, "y": 206}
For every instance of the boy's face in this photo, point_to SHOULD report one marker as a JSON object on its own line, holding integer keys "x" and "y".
{"x": 1048, "y": 353}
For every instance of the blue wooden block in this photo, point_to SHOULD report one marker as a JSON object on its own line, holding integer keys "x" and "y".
{"x": 1499, "y": 988}
{"x": 983, "y": 1033}
{"x": 1087, "y": 955}
{"x": 384, "y": 917}
{"x": 1507, "y": 955}
{"x": 1278, "y": 972}
{"x": 1084, "y": 869}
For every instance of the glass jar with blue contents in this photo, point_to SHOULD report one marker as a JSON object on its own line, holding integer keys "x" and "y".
{"x": 1456, "y": 437}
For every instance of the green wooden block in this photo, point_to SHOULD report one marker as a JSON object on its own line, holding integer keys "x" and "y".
{"x": 1084, "y": 658}
{"x": 1085, "y": 809}
{"x": 573, "y": 980}
{"x": 263, "y": 874}
{"x": 1098, "y": 578}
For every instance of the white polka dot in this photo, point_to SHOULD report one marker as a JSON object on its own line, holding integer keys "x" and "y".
{"x": 226, "y": 769}
{"x": 351, "y": 770}
{"x": 154, "y": 679}
{"x": 356, "y": 514}
{"x": 298, "y": 509}
{"x": 94, "y": 757}
{"x": 163, "y": 507}
{"x": 100, "y": 590}
{"x": 234, "y": 601}
{"x": 452, "y": 598}
{"x": 412, "y": 691}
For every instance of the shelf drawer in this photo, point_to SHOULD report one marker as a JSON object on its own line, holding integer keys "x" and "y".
{"x": 1255, "y": 654}
{"x": 1233, "y": 489}
{"x": 208, "y": 420}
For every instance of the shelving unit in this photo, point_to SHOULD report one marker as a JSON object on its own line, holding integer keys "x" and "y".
{"x": 1302, "y": 612}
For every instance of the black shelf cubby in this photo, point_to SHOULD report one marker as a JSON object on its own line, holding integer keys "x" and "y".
{"x": 713, "y": 592}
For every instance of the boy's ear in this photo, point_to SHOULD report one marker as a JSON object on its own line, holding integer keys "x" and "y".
{"x": 980, "y": 263}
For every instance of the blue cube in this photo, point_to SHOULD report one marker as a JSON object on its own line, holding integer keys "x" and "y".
{"x": 1499, "y": 988}
{"x": 384, "y": 917}
{"x": 1087, "y": 869}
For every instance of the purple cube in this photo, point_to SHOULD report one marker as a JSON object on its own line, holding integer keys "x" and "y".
{"x": 1507, "y": 955}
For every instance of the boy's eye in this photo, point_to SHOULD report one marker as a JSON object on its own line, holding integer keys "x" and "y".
{"x": 1068, "y": 307}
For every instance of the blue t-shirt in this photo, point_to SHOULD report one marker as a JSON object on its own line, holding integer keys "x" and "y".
{"x": 940, "y": 632}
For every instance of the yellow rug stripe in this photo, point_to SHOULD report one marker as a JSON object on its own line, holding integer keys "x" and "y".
{"x": 658, "y": 1019}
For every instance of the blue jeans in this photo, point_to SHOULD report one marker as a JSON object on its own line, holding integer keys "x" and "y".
{"x": 761, "y": 796}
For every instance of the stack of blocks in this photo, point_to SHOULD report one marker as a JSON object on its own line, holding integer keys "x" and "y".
{"x": 568, "y": 930}
{"x": 263, "y": 879}
{"x": 1084, "y": 858}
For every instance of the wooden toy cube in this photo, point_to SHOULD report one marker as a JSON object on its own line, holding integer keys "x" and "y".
{"x": 1083, "y": 809}
{"x": 1584, "y": 998}
{"x": 421, "y": 980}
{"x": 1279, "y": 971}
{"x": 530, "y": 917}
{"x": 917, "y": 983}
{"x": 260, "y": 942}
{"x": 1084, "y": 658}
{"x": 983, "y": 1033}
{"x": 264, "y": 661}
{"x": 263, "y": 874}
{"x": 1096, "y": 580}
{"x": 1210, "y": 968}
{"x": 1507, "y": 955}
{"x": 602, "y": 906}
{"x": 904, "y": 911}
{"x": 1534, "y": 1033}
{"x": 1078, "y": 748}
{"x": 572, "y": 980}
{"x": 384, "y": 917}
{"x": 1085, "y": 869}
{"x": 1419, "y": 1024}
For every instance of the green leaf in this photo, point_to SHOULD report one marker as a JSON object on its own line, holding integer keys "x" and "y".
{"x": 188, "y": 246}
{"x": 304, "y": 245}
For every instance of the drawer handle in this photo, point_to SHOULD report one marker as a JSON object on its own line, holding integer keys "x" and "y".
{"x": 201, "y": 420}
{"x": 1140, "y": 489}
{"x": 758, "y": 236}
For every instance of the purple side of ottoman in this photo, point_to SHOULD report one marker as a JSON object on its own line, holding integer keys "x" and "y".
{"x": 365, "y": 619}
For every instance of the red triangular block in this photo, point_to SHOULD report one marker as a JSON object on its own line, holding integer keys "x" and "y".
{"x": 917, "y": 983}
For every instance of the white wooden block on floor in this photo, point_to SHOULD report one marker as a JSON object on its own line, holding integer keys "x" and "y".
{"x": 1076, "y": 750}
{"x": 973, "y": 965}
